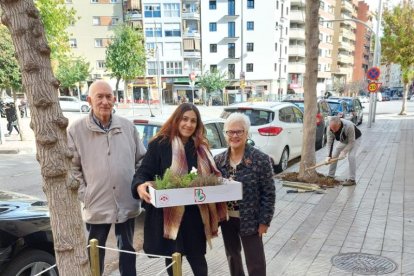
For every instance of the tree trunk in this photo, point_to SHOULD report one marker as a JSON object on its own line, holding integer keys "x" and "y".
{"x": 116, "y": 88}
{"x": 311, "y": 77}
{"x": 404, "y": 100}
{"x": 33, "y": 54}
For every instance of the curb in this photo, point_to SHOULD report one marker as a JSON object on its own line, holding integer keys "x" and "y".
{"x": 9, "y": 151}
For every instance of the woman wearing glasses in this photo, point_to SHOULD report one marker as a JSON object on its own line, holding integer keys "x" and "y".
{"x": 251, "y": 216}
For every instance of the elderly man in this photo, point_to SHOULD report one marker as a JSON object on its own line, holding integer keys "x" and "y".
{"x": 107, "y": 151}
{"x": 348, "y": 136}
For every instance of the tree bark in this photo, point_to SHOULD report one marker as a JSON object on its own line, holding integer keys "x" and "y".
{"x": 311, "y": 77}
{"x": 49, "y": 125}
{"x": 404, "y": 100}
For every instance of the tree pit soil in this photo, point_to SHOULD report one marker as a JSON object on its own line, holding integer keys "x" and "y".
{"x": 321, "y": 180}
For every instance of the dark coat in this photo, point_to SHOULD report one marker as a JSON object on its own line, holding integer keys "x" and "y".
{"x": 11, "y": 113}
{"x": 191, "y": 239}
{"x": 256, "y": 174}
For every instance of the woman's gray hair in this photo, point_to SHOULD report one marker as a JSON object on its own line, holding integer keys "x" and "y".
{"x": 238, "y": 118}
{"x": 335, "y": 119}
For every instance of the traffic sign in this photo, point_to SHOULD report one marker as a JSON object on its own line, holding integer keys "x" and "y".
{"x": 373, "y": 73}
{"x": 374, "y": 86}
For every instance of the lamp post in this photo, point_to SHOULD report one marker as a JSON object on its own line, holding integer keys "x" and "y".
{"x": 157, "y": 55}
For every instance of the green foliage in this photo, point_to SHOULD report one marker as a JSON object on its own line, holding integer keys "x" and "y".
{"x": 72, "y": 70}
{"x": 212, "y": 81}
{"x": 397, "y": 42}
{"x": 56, "y": 18}
{"x": 192, "y": 179}
{"x": 10, "y": 76}
{"x": 125, "y": 56}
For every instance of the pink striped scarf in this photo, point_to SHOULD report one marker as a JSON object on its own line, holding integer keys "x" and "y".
{"x": 211, "y": 213}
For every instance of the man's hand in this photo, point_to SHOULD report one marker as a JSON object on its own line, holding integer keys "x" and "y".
{"x": 262, "y": 229}
{"x": 342, "y": 155}
{"x": 327, "y": 159}
{"x": 143, "y": 193}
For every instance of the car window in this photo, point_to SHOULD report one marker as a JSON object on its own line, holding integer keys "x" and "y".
{"x": 298, "y": 115}
{"x": 323, "y": 107}
{"x": 62, "y": 99}
{"x": 257, "y": 117}
{"x": 146, "y": 132}
{"x": 335, "y": 107}
{"x": 213, "y": 136}
{"x": 287, "y": 115}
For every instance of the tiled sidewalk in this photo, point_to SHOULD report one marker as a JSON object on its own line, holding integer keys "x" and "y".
{"x": 376, "y": 216}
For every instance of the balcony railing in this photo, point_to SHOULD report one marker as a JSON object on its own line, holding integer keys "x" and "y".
{"x": 192, "y": 33}
{"x": 347, "y": 6}
{"x": 296, "y": 67}
{"x": 297, "y": 16}
{"x": 191, "y": 54}
{"x": 297, "y": 33}
{"x": 190, "y": 15}
{"x": 133, "y": 15}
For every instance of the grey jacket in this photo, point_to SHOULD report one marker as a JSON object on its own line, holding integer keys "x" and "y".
{"x": 104, "y": 163}
{"x": 347, "y": 136}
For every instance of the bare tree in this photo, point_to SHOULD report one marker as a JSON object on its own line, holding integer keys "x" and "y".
{"x": 49, "y": 125}
{"x": 311, "y": 77}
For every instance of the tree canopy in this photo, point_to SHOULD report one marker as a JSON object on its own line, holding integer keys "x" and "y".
{"x": 71, "y": 71}
{"x": 10, "y": 76}
{"x": 125, "y": 55}
{"x": 212, "y": 81}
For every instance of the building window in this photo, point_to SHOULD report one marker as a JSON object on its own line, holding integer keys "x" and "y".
{"x": 250, "y": 25}
{"x": 68, "y": 1}
{"x": 249, "y": 67}
{"x": 94, "y": 1}
{"x": 213, "y": 68}
{"x": 172, "y": 30}
{"x": 114, "y": 20}
{"x": 321, "y": 21}
{"x": 98, "y": 42}
{"x": 152, "y": 68}
{"x": 151, "y": 48}
{"x": 73, "y": 43}
{"x": 319, "y": 67}
{"x": 213, "y": 48}
{"x": 100, "y": 64}
{"x": 114, "y": 1}
{"x": 152, "y": 10}
{"x": 285, "y": 67}
{"x": 174, "y": 67}
{"x": 275, "y": 67}
{"x": 250, "y": 47}
{"x": 231, "y": 9}
{"x": 212, "y": 5}
{"x": 320, "y": 52}
{"x": 231, "y": 68}
{"x": 285, "y": 50}
{"x": 172, "y": 10}
{"x": 153, "y": 32}
{"x": 213, "y": 27}
{"x": 231, "y": 50}
{"x": 231, "y": 29}
{"x": 96, "y": 20}
{"x": 277, "y": 5}
{"x": 322, "y": 5}
{"x": 275, "y": 47}
{"x": 250, "y": 4}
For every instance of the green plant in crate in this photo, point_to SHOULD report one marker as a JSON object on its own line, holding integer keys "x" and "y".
{"x": 191, "y": 179}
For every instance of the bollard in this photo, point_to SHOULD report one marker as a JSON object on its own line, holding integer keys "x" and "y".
{"x": 94, "y": 257}
{"x": 177, "y": 268}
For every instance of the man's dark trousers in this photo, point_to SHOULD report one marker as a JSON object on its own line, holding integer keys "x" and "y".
{"x": 124, "y": 233}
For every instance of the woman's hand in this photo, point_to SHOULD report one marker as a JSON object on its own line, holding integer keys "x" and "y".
{"x": 262, "y": 229}
{"x": 143, "y": 191}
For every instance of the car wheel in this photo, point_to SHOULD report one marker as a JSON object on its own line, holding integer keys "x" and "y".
{"x": 323, "y": 140}
{"x": 31, "y": 262}
{"x": 360, "y": 122}
{"x": 283, "y": 163}
{"x": 84, "y": 108}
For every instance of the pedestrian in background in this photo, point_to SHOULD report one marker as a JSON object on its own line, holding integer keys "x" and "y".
{"x": 11, "y": 117}
{"x": 107, "y": 151}
{"x": 250, "y": 217}
{"x": 179, "y": 145}
{"x": 347, "y": 134}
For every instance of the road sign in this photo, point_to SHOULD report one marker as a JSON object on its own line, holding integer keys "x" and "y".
{"x": 373, "y": 73}
{"x": 374, "y": 86}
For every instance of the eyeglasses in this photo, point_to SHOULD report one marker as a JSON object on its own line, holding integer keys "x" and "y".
{"x": 232, "y": 133}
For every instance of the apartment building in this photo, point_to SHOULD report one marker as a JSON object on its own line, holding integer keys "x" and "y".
{"x": 247, "y": 39}
{"x": 344, "y": 42}
{"x": 391, "y": 75}
{"x": 296, "y": 67}
{"x": 364, "y": 38}
{"x": 91, "y": 33}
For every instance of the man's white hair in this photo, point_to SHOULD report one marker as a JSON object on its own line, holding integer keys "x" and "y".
{"x": 96, "y": 84}
{"x": 335, "y": 120}
{"x": 238, "y": 118}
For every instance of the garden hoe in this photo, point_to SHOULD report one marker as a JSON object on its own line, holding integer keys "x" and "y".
{"x": 333, "y": 160}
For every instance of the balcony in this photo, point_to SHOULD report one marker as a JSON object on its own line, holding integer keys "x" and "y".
{"x": 298, "y": 33}
{"x": 296, "y": 67}
{"x": 348, "y": 6}
{"x": 191, "y": 33}
{"x": 347, "y": 33}
{"x": 190, "y": 15}
{"x": 133, "y": 16}
{"x": 297, "y": 16}
{"x": 231, "y": 38}
{"x": 296, "y": 50}
{"x": 300, "y": 3}
{"x": 231, "y": 16}
{"x": 192, "y": 54}
{"x": 346, "y": 59}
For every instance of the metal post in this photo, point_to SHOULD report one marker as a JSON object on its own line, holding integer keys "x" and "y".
{"x": 177, "y": 267}
{"x": 94, "y": 257}
{"x": 241, "y": 52}
{"x": 373, "y": 96}
{"x": 160, "y": 96}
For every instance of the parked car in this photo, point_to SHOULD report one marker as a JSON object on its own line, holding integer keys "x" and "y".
{"x": 322, "y": 119}
{"x": 148, "y": 126}
{"x": 339, "y": 108}
{"x": 385, "y": 97}
{"x": 363, "y": 99}
{"x": 69, "y": 103}
{"x": 26, "y": 241}
{"x": 355, "y": 109}
{"x": 276, "y": 129}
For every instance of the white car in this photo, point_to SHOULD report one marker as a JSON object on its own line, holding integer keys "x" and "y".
{"x": 68, "y": 103}
{"x": 148, "y": 126}
{"x": 276, "y": 129}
